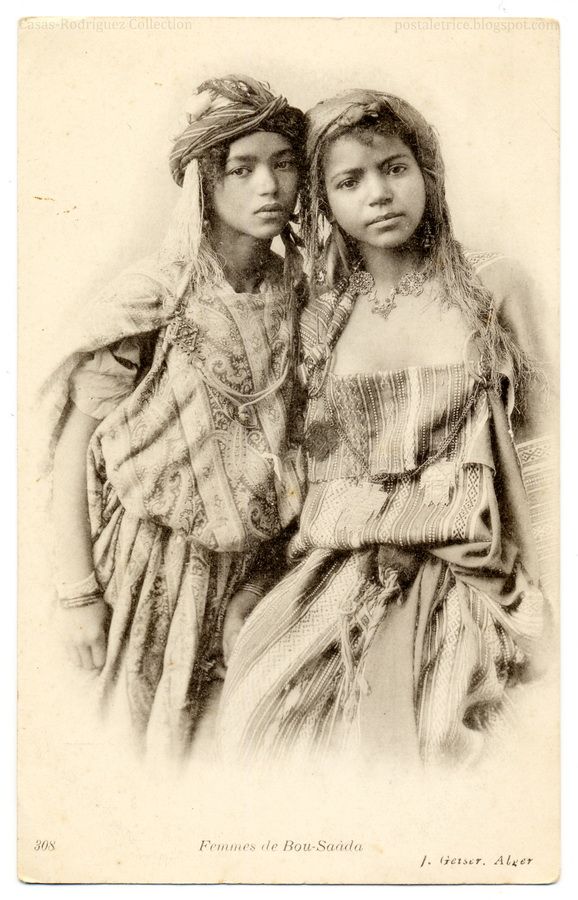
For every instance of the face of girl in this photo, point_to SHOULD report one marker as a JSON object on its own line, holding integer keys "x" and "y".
{"x": 257, "y": 193}
{"x": 375, "y": 190}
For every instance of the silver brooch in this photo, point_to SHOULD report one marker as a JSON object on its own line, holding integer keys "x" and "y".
{"x": 183, "y": 334}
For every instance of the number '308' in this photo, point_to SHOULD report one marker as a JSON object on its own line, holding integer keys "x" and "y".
{"x": 45, "y": 845}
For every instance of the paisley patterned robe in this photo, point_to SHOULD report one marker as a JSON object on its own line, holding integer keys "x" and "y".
{"x": 192, "y": 477}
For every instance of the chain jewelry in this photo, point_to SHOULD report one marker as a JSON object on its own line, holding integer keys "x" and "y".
{"x": 364, "y": 283}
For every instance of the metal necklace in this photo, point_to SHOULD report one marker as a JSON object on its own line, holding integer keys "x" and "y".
{"x": 362, "y": 282}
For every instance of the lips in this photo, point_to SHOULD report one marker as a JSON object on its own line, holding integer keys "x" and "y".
{"x": 384, "y": 218}
{"x": 270, "y": 208}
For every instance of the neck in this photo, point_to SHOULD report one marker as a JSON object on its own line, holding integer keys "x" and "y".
{"x": 244, "y": 258}
{"x": 388, "y": 266}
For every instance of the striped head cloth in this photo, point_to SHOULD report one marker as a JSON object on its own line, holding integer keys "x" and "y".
{"x": 364, "y": 108}
{"x": 224, "y": 109}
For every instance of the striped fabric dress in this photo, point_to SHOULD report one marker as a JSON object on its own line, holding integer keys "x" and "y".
{"x": 410, "y": 611}
{"x": 191, "y": 479}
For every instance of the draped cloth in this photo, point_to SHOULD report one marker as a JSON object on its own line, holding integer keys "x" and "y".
{"x": 186, "y": 496}
{"x": 191, "y": 475}
{"x": 139, "y": 301}
{"x": 414, "y": 607}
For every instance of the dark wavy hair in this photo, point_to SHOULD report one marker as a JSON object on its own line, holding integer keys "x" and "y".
{"x": 333, "y": 254}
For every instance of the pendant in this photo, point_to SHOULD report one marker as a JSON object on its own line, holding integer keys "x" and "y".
{"x": 245, "y": 416}
{"x": 384, "y": 307}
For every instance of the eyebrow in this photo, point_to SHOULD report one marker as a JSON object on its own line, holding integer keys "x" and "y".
{"x": 253, "y": 158}
{"x": 359, "y": 170}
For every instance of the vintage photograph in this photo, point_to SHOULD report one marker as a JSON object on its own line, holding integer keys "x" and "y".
{"x": 289, "y": 380}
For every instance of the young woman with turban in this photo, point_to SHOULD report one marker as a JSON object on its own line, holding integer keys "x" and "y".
{"x": 174, "y": 472}
{"x": 414, "y": 607}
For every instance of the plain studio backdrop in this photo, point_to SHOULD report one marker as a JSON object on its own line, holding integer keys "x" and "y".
{"x": 100, "y": 101}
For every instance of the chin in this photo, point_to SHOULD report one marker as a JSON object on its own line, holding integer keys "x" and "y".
{"x": 392, "y": 242}
{"x": 267, "y": 233}
{"x": 388, "y": 245}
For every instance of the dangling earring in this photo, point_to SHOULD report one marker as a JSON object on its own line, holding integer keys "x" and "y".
{"x": 427, "y": 237}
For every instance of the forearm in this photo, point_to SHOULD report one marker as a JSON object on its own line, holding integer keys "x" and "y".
{"x": 73, "y": 546}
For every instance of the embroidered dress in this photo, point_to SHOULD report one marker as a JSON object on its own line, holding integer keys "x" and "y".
{"x": 414, "y": 602}
{"x": 191, "y": 479}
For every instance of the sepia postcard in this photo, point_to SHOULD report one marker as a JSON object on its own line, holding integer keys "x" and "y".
{"x": 288, "y": 450}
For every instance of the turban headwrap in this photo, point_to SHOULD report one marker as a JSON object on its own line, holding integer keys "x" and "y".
{"x": 225, "y": 109}
{"x": 221, "y": 110}
{"x": 359, "y": 107}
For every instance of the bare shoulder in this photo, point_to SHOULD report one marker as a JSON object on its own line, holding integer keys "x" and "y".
{"x": 523, "y": 308}
{"x": 517, "y": 300}
{"x": 501, "y": 274}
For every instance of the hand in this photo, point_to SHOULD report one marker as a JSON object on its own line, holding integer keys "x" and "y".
{"x": 239, "y": 608}
{"x": 84, "y": 634}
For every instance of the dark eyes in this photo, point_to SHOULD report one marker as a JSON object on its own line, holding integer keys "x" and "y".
{"x": 283, "y": 165}
{"x": 348, "y": 183}
{"x": 395, "y": 169}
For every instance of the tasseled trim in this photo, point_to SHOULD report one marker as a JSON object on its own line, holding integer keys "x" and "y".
{"x": 183, "y": 238}
{"x": 363, "y": 619}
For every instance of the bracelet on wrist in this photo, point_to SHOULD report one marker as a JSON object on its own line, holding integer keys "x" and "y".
{"x": 79, "y": 593}
{"x": 77, "y": 602}
{"x": 255, "y": 589}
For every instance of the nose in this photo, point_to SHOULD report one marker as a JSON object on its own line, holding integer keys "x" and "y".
{"x": 380, "y": 190}
{"x": 266, "y": 181}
